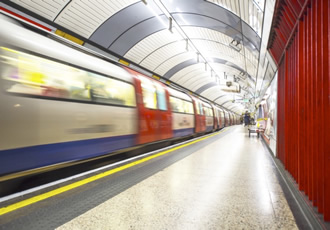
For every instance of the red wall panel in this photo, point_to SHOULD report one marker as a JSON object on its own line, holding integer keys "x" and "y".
{"x": 299, "y": 42}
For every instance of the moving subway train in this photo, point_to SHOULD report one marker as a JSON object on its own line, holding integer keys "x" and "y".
{"x": 59, "y": 105}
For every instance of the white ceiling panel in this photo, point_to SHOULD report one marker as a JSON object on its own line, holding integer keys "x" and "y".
{"x": 213, "y": 92}
{"x": 253, "y": 58}
{"x": 188, "y": 70}
{"x": 191, "y": 77}
{"x": 170, "y": 63}
{"x": 227, "y": 53}
{"x": 197, "y": 79}
{"x": 206, "y": 33}
{"x": 251, "y": 11}
{"x": 201, "y": 81}
{"x": 46, "y": 9}
{"x": 150, "y": 44}
{"x": 221, "y": 68}
{"x": 162, "y": 54}
{"x": 221, "y": 100}
{"x": 84, "y": 16}
{"x": 218, "y": 54}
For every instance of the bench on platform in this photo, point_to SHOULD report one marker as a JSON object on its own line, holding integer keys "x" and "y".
{"x": 254, "y": 130}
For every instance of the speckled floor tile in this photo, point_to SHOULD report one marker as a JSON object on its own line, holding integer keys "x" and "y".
{"x": 229, "y": 184}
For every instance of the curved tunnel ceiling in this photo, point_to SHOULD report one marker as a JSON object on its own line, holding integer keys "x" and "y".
{"x": 211, "y": 42}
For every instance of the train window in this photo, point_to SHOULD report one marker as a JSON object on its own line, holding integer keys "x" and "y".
{"x": 32, "y": 75}
{"x": 161, "y": 97}
{"x": 188, "y": 107}
{"x": 111, "y": 91}
{"x": 181, "y": 106}
{"x": 210, "y": 112}
{"x": 149, "y": 93}
{"x": 176, "y": 105}
{"x": 199, "y": 108}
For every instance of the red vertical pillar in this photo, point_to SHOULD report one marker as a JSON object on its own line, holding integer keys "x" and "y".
{"x": 287, "y": 160}
{"x": 301, "y": 102}
{"x": 308, "y": 103}
{"x": 296, "y": 105}
{"x": 326, "y": 106}
{"x": 305, "y": 128}
{"x": 313, "y": 93}
{"x": 318, "y": 111}
{"x": 281, "y": 112}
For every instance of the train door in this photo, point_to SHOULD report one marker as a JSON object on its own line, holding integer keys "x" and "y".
{"x": 222, "y": 118}
{"x": 200, "y": 123}
{"x": 153, "y": 111}
{"x": 209, "y": 116}
{"x": 164, "y": 114}
{"x": 215, "y": 118}
{"x": 218, "y": 117}
{"x": 226, "y": 118}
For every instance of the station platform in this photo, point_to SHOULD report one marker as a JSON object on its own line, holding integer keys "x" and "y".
{"x": 226, "y": 180}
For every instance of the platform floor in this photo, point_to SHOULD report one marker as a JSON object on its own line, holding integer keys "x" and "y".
{"x": 227, "y": 181}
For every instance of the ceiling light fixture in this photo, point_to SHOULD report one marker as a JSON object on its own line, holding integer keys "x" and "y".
{"x": 236, "y": 45}
{"x": 170, "y": 24}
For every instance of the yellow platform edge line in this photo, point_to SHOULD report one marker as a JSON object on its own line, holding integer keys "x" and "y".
{"x": 57, "y": 191}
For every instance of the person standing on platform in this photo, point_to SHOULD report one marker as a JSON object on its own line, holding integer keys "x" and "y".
{"x": 246, "y": 118}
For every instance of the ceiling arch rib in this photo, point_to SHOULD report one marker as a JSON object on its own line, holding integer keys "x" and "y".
{"x": 173, "y": 61}
{"x": 191, "y": 69}
{"x": 206, "y": 86}
{"x": 170, "y": 73}
{"x": 165, "y": 52}
{"x": 156, "y": 41}
{"x": 200, "y": 82}
{"x": 221, "y": 100}
{"x": 224, "y": 22}
{"x": 214, "y": 93}
{"x": 202, "y": 32}
{"x": 191, "y": 77}
{"x": 249, "y": 10}
{"x": 183, "y": 78}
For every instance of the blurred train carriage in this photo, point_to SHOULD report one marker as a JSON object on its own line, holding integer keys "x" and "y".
{"x": 59, "y": 105}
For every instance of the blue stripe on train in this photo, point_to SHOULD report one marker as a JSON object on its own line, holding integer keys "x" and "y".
{"x": 20, "y": 159}
{"x": 183, "y": 132}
